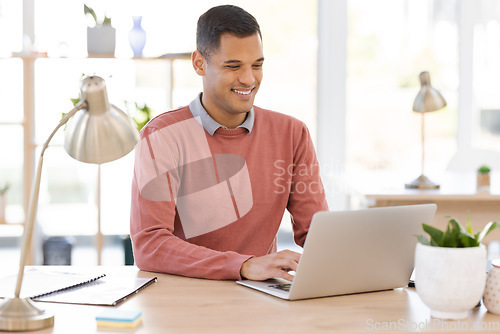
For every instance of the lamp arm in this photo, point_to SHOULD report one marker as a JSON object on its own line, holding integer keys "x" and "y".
{"x": 33, "y": 204}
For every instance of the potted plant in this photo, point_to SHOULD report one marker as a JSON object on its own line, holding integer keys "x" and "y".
{"x": 3, "y": 202}
{"x": 483, "y": 178}
{"x": 101, "y": 37}
{"x": 450, "y": 268}
{"x": 143, "y": 115}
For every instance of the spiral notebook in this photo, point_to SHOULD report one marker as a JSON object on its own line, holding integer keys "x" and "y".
{"x": 43, "y": 281}
{"x": 107, "y": 291}
{"x": 74, "y": 285}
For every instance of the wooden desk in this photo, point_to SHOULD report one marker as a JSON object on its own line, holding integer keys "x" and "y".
{"x": 457, "y": 197}
{"x": 184, "y": 305}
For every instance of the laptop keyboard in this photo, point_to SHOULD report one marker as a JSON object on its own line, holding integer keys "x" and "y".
{"x": 284, "y": 287}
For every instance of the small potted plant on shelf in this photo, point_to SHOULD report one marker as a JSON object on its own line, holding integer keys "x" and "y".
{"x": 450, "y": 268}
{"x": 483, "y": 178}
{"x": 101, "y": 36}
{"x": 3, "y": 202}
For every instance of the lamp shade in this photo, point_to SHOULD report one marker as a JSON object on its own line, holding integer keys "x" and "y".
{"x": 428, "y": 98}
{"x": 99, "y": 132}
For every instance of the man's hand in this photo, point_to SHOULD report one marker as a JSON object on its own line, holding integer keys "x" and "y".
{"x": 271, "y": 266}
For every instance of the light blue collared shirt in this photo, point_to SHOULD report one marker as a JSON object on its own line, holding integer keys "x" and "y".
{"x": 209, "y": 124}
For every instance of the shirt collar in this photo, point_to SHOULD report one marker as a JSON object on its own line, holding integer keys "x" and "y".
{"x": 209, "y": 124}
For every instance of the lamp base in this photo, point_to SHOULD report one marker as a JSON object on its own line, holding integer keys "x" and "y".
{"x": 22, "y": 314}
{"x": 422, "y": 182}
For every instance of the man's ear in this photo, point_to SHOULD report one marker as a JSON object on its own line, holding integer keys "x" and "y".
{"x": 199, "y": 63}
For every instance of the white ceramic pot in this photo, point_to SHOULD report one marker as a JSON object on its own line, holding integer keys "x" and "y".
{"x": 450, "y": 281}
{"x": 101, "y": 40}
{"x": 491, "y": 297}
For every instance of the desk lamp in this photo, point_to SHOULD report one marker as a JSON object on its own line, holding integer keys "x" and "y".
{"x": 98, "y": 132}
{"x": 427, "y": 100}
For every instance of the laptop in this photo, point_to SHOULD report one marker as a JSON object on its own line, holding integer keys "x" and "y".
{"x": 355, "y": 251}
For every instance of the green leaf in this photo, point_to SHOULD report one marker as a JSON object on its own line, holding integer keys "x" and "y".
{"x": 469, "y": 225}
{"x": 76, "y": 100}
{"x": 451, "y": 237}
{"x": 435, "y": 244}
{"x": 144, "y": 115}
{"x": 4, "y": 188}
{"x": 88, "y": 10}
{"x": 484, "y": 169}
{"x": 423, "y": 239}
{"x": 486, "y": 230}
{"x": 436, "y": 234}
{"x": 454, "y": 225}
{"x": 468, "y": 240}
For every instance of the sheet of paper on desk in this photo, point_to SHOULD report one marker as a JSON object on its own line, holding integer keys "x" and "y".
{"x": 46, "y": 280}
{"x": 107, "y": 291}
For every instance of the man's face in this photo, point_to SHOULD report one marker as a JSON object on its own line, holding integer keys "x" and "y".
{"x": 232, "y": 78}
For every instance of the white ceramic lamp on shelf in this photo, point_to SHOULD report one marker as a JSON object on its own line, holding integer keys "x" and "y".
{"x": 97, "y": 132}
{"x": 427, "y": 100}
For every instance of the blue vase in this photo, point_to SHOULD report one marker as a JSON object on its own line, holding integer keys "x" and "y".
{"x": 137, "y": 37}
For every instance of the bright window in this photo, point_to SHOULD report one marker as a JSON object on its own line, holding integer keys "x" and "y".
{"x": 486, "y": 82}
{"x": 389, "y": 43}
{"x": 11, "y": 27}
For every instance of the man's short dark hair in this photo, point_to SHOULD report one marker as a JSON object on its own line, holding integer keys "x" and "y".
{"x": 221, "y": 20}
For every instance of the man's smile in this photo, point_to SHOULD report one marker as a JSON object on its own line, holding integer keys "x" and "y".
{"x": 243, "y": 92}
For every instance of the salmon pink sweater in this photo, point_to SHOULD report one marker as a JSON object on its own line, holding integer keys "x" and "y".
{"x": 203, "y": 204}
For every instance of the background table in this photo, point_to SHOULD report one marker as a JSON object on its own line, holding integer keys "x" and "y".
{"x": 457, "y": 197}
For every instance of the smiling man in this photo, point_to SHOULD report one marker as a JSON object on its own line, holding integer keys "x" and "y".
{"x": 213, "y": 179}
